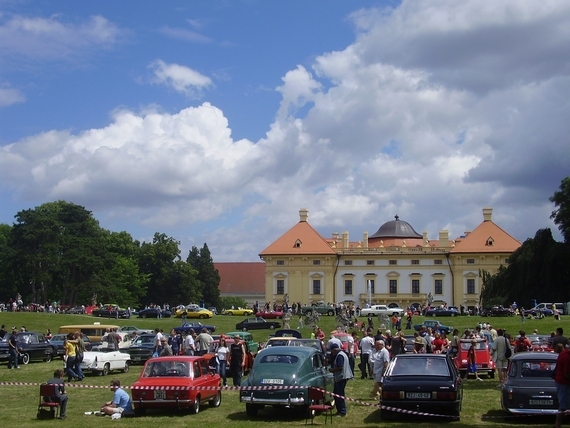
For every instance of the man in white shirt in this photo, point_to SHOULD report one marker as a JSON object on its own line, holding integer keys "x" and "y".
{"x": 379, "y": 359}
{"x": 366, "y": 348}
{"x": 189, "y": 343}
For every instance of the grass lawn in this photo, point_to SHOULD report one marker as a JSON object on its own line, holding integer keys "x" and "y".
{"x": 18, "y": 405}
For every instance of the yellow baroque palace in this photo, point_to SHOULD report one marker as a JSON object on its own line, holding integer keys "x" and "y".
{"x": 396, "y": 264}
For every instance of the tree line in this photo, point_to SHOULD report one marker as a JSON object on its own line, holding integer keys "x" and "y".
{"x": 58, "y": 252}
{"x": 540, "y": 267}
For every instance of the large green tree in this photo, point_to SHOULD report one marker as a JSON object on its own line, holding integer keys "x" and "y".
{"x": 208, "y": 275}
{"x": 561, "y": 215}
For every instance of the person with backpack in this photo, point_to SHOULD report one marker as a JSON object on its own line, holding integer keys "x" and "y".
{"x": 522, "y": 344}
{"x": 501, "y": 350}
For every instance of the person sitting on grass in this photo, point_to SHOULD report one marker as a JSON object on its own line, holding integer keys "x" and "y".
{"x": 121, "y": 401}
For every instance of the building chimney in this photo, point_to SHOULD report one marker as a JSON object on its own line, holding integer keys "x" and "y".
{"x": 365, "y": 240}
{"x": 344, "y": 239}
{"x": 487, "y": 213}
{"x": 443, "y": 239}
{"x": 466, "y": 233}
{"x": 303, "y": 214}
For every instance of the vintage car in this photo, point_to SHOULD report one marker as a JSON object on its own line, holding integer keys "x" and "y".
{"x": 257, "y": 323}
{"x": 153, "y": 313}
{"x": 102, "y": 363}
{"x": 238, "y": 311}
{"x": 126, "y": 339}
{"x": 293, "y": 369}
{"x": 321, "y": 307}
{"x": 292, "y": 341}
{"x": 529, "y": 387}
{"x": 376, "y": 310}
{"x": 32, "y": 347}
{"x": 75, "y": 310}
{"x": 270, "y": 315}
{"x": 178, "y": 382}
{"x": 142, "y": 348}
{"x": 247, "y": 337}
{"x": 497, "y": 311}
{"x": 424, "y": 383}
{"x": 193, "y": 312}
{"x": 132, "y": 329}
{"x": 485, "y": 364}
{"x": 59, "y": 339}
{"x": 110, "y": 311}
{"x": 196, "y": 326}
{"x": 434, "y": 325}
{"x": 442, "y": 312}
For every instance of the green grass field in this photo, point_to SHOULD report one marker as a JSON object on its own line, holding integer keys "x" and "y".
{"x": 18, "y": 404}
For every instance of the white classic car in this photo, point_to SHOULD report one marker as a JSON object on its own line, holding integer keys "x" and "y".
{"x": 103, "y": 362}
{"x": 376, "y": 310}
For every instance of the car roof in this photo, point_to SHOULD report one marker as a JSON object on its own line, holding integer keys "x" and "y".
{"x": 537, "y": 356}
{"x": 298, "y": 351}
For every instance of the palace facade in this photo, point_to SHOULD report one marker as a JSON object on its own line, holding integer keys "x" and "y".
{"x": 395, "y": 264}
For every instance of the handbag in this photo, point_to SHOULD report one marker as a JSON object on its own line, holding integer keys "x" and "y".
{"x": 508, "y": 351}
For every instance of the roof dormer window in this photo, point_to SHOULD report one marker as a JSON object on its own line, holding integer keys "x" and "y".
{"x": 489, "y": 242}
{"x": 298, "y": 243}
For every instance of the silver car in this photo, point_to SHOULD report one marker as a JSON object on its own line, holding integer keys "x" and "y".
{"x": 530, "y": 386}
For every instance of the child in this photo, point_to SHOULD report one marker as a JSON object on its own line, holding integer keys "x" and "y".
{"x": 471, "y": 362}
{"x": 300, "y": 322}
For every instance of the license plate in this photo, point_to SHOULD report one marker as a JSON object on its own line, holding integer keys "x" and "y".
{"x": 159, "y": 394}
{"x": 418, "y": 395}
{"x": 272, "y": 381}
{"x": 541, "y": 402}
{"x": 136, "y": 358}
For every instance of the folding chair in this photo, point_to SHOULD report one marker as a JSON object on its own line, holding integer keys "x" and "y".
{"x": 48, "y": 392}
{"x": 317, "y": 398}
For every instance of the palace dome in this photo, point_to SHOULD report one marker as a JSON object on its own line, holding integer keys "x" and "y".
{"x": 396, "y": 229}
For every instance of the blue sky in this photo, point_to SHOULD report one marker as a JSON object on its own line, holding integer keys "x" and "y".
{"x": 215, "y": 122}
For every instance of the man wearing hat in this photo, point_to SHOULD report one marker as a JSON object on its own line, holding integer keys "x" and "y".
{"x": 342, "y": 373}
{"x": 419, "y": 345}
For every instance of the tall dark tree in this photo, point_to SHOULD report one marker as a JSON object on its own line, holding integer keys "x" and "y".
{"x": 208, "y": 275}
{"x": 7, "y": 289}
{"x": 561, "y": 215}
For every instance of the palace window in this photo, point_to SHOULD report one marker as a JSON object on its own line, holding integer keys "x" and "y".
{"x": 348, "y": 262}
{"x": 437, "y": 262}
{"x": 415, "y": 286}
{"x": 316, "y": 286}
{"x": 393, "y": 286}
{"x": 316, "y": 262}
{"x": 280, "y": 262}
{"x": 348, "y": 286}
{"x": 415, "y": 262}
{"x": 470, "y": 286}
{"x": 470, "y": 261}
{"x": 280, "y": 286}
{"x": 370, "y": 262}
{"x": 438, "y": 286}
{"x": 392, "y": 262}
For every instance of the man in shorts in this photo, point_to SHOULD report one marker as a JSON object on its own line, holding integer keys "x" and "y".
{"x": 121, "y": 401}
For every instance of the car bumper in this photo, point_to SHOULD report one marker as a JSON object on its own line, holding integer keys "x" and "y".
{"x": 289, "y": 400}
{"x": 435, "y": 408}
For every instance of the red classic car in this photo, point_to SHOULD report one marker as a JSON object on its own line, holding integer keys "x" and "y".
{"x": 271, "y": 315}
{"x": 176, "y": 383}
{"x": 485, "y": 364}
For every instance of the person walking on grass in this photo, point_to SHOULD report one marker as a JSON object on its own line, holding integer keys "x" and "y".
{"x": 471, "y": 361}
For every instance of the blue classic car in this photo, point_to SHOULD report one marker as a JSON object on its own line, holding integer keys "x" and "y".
{"x": 292, "y": 370}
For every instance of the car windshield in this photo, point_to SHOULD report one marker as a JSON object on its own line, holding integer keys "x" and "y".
{"x": 167, "y": 369}
{"x": 479, "y": 345}
{"x": 143, "y": 339}
{"x": 278, "y": 359}
{"x": 537, "y": 368}
{"x": 420, "y": 367}
{"x": 58, "y": 338}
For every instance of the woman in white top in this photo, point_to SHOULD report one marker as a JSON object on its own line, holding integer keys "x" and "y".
{"x": 222, "y": 357}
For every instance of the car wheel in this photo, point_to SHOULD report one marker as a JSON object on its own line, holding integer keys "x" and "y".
{"x": 106, "y": 369}
{"x": 202, "y": 316}
{"x": 271, "y": 327}
{"x": 433, "y": 315}
{"x": 452, "y": 314}
{"x": 229, "y": 313}
{"x": 330, "y": 313}
{"x": 195, "y": 406}
{"x": 126, "y": 368}
{"x": 49, "y": 357}
{"x": 216, "y": 401}
{"x": 309, "y": 313}
{"x": 143, "y": 316}
{"x": 251, "y": 409}
{"x": 244, "y": 329}
{"x": 25, "y": 358}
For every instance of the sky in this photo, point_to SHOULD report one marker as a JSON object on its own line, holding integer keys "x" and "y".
{"x": 214, "y": 122}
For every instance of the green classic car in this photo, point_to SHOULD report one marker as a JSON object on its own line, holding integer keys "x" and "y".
{"x": 292, "y": 370}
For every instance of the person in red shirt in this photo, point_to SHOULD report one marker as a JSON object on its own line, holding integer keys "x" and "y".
{"x": 562, "y": 380}
{"x": 437, "y": 343}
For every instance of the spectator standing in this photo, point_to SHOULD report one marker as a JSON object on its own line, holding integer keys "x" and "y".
{"x": 522, "y": 344}
{"x": 237, "y": 360}
{"x": 222, "y": 355}
{"x": 342, "y": 373}
{"x": 562, "y": 380}
{"x": 471, "y": 361}
{"x": 79, "y": 351}
{"x": 113, "y": 340}
{"x": 175, "y": 342}
{"x": 380, "y": 359}
{"x": 70, "y": 355}
{"x": 366, "y": 348}
{"x": 560, "y": 338}
{"x": 189, "y": 344}
{"x": 499, "y": 349}
{"x": 204, "y": 341}
{"x": 13, "y": 350}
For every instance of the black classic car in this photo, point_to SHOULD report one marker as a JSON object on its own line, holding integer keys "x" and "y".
{"x": 422, "y": 382}
{"x": 111, "y": 312}
{"x": 153, "y": 313}
{"x": 497, "y": 311}
{"x": 31, "y": 346}
{"x": 142, "y": 348}
{"x": 442, "y": 312}
{"x": 530, "y": 388}
{"x": 196, "y": 326}
{"x": 257, "y": 323}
